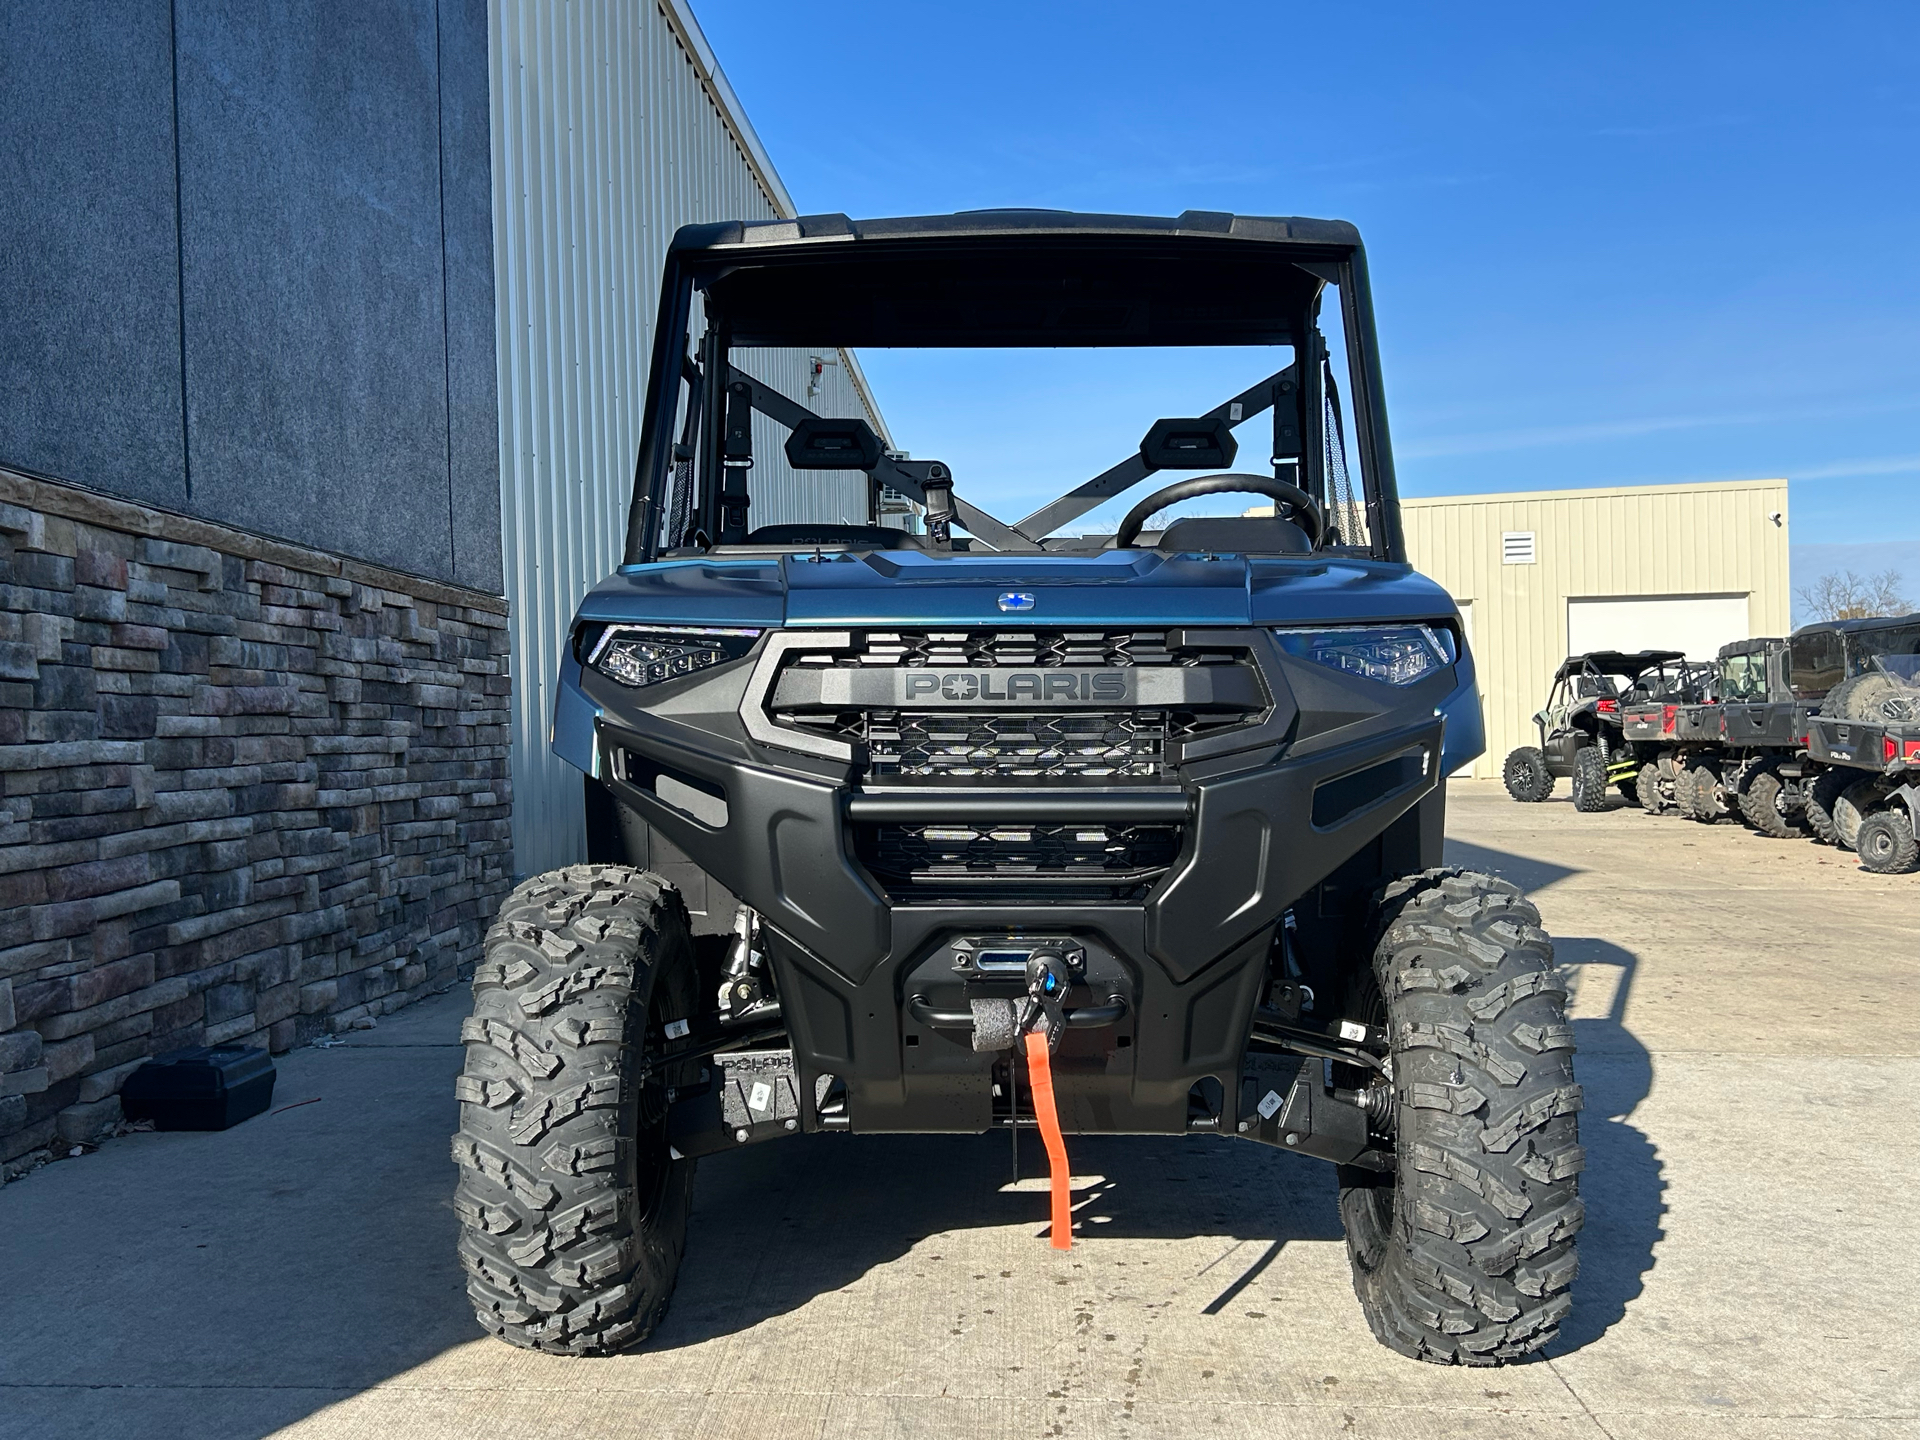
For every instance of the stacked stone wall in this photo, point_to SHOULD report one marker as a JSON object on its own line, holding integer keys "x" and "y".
{"x": 249, "y": 793}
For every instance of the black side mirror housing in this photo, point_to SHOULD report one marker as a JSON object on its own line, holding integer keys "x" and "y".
{"x": 1206, "y": 444}
{"x": 823, "y": 443}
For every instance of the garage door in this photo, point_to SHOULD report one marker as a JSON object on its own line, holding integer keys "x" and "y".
{"x": 1696, "y": 624}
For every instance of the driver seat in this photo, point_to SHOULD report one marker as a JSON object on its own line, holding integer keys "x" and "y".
{"x": 1243, "y": 534}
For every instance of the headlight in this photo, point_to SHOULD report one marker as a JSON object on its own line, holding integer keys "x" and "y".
{"x": 637, "y": 657}
{"x": 1392, "y": 654}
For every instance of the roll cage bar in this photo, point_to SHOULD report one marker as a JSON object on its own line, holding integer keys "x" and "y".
{"x": 1624, "y": 664}
{"x": 1315, "y": 253}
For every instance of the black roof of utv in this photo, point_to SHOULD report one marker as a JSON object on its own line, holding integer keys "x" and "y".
{"x": 1855, "y": 627}
{"x": 1616, "y": 662}
{"x": 833, "y": 228}
{"x": 1016, "y": 277}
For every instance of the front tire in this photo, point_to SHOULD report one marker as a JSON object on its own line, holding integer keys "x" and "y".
{"x": 573, "y": 1211}
{"x": 1886, "y": 843}
{"x": 1527, "y": 777}
{"x": 1589, "y": 780}
{"x": 1465, "y": 1254}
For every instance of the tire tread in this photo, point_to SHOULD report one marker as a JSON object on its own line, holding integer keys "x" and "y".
{"x": 1482, "y": 1250}
{"x": 556, "y": 1254}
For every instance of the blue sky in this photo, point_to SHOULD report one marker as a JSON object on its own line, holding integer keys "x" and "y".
{"x": 1610, "y": 245}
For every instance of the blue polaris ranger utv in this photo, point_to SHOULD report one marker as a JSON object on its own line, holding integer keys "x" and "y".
{"x": 1014, "y": 824}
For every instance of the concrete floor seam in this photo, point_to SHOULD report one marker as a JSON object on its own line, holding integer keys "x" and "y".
{"x": 1579, "y": 1399}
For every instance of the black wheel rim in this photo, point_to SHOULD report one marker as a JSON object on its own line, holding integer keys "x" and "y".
{"x": 1370, "y": 1206}
{"x": 650, "y": 1162}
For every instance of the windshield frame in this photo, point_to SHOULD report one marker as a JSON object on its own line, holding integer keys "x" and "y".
{"x": 699, "y": 260}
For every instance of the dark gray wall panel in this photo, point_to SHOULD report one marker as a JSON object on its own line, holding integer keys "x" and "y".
{"x": 466, "y": 159}
{"x": 310, "y": 206}
{"x": 89, "y": 295}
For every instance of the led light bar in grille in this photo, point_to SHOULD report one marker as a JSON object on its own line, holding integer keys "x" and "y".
{"x": 1129, "y": 745}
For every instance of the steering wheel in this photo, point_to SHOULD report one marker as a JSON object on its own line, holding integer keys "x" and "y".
{"x": 1306, "y": 514}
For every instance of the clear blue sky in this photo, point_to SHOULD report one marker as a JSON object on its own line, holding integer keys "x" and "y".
{"x": 1610, "y": 244}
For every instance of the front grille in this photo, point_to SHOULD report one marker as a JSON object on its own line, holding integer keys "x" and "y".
{"x": 1057, "y": 743}
{"x": 954, "y": 861}
{"x": 1130, "y": 745}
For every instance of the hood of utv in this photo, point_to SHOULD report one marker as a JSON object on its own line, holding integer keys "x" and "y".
{"x": 908, "y": 587}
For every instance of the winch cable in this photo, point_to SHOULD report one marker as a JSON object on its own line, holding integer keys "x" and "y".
{"x": 1059, "y": 1186}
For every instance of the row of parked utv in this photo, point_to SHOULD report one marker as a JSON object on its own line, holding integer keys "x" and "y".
{"x": 1816, "y": 734}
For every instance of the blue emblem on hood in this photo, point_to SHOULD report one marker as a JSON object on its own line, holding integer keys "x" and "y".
{"x": 1016, "y": 600}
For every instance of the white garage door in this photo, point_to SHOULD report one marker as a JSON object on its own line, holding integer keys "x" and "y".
{"x": 1696, "y": 624}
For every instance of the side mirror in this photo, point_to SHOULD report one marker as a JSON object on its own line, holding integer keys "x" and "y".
{"x": 1189, "y": 445}
{"x": 821, "y": 443}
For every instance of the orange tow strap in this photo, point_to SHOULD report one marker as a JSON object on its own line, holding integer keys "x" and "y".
{"x": 1060, "y": 1191}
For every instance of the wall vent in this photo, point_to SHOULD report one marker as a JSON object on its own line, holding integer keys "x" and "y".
{"x": 1516, "y": 547}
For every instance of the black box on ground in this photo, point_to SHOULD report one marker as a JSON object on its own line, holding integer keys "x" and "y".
{"x": 207, "y": 1087}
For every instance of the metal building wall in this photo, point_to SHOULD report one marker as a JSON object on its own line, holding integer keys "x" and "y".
{"x": 246, "y": 269}
{"x": 612, "y": 127}
{"x": 1640, "y": 541}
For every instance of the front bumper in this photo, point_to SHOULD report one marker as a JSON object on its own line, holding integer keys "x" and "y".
{"x": 777, "y": 818}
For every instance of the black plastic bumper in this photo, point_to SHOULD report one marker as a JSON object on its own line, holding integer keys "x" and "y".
{"x": 1183, "y": 965}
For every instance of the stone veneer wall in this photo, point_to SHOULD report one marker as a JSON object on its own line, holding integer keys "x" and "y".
{"x": 249, "y": 792}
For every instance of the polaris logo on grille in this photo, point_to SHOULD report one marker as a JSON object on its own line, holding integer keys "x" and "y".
{"x": 1058, "y": 686}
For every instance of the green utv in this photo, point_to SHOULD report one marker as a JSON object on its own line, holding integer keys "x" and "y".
{"x": 1011, "y": 824}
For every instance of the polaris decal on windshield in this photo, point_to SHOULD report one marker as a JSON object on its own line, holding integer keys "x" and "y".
{"x": 1032, "y": 686}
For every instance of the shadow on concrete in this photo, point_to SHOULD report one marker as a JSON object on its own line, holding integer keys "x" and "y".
{"x": 826, "y": 1210}
{"x": 1624, "y": 1185}
{"x": 227, "y": 1285}
{"x": 831, "y": 1208}
{"x": 1529, "y": 873}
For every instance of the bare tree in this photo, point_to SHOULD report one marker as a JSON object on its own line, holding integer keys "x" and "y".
{"x": 1843, "y": 595}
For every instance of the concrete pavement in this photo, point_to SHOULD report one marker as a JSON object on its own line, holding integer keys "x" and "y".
{"x": 1748, "y": 1031}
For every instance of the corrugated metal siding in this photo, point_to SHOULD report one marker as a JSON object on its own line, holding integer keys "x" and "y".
{"x": 1642, "y": 541}
{"x": 612, "y": 127}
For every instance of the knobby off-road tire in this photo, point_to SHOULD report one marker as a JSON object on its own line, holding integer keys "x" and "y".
{"x": 1822, "y": 796}
{"x": 1646, "y": 789}
{"x": 1678, "y": 785}
{"x": 1886, "y": 843}
{"x": 1682, "y": 791}
{"x": 1527, "y": 777}
{"x": 1856, "y": 802}
{"x": 573, "y": 1213}
{"x": 1466, "y": 1253}
{"x": 1589, "y": 779}
{"x": 1760, "y": 803}
{"x": 1873, "y": 697}
{"x": 1706, "y": 800}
